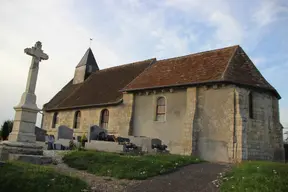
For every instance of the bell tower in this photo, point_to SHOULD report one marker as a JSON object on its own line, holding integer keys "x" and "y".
{"x": 85, "y": 67}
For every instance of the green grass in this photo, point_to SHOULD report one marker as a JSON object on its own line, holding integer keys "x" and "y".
{"x": 126, "y": 166}
{"x": 17, "y": 176}
{"x": 257, "y": 176}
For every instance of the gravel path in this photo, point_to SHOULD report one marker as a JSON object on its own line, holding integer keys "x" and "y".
{"x": 191, "y": 178}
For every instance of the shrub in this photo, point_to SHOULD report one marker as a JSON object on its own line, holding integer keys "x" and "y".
{"x": 72, "y": 145}
{"x": 6, "y": 129}
{"x": 83, "y": 140}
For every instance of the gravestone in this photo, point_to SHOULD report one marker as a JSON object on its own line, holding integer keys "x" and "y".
{"x": 64, "y": 136}
{"x": 40, "y": 134}
{"x": 22, "y": 140}
{"x": 64, "y": 132}
{"x": 94, "y": 131}
{"x": 145, "y": 143}
{"x": 104, "y": 146}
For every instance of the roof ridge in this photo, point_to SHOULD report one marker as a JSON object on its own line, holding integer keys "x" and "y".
{"x": 199, "y": 53}
{"x": 124, "y": 65}
{"x": 229, "y": 62}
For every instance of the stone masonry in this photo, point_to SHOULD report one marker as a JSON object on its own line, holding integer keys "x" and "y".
{"x": 262, "y": 134}
{"x": 22, "y": 140}
{"x": 119, "y": 118}
{"x": 215, "y": 126}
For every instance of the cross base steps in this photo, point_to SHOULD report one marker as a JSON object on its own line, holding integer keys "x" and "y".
{"x": 26, "y": 152}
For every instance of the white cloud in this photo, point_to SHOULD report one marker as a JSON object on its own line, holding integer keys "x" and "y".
{"x": 259, "y": 61}
{"x": 122, "y": 31}
{"x": 268, "y": 12}
{"x": 283, "y": 117}
{"x": 64, "y": 40}
{"x": 217, "y": 14}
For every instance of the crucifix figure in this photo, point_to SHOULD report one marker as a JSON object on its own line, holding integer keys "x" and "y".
{"x": 37, "y": 55}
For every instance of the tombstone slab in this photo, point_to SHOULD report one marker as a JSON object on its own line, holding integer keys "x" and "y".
{"x": 94, "y": 131}
{"x": 22, "y": 139}
{"x": 145, "y": 143}
{"x": 40, "y": 134}
{"x": 64, "y": 132}
{"x": 104, "y": 146}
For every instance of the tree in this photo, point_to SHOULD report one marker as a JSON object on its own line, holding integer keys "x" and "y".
{"x": 6, "y": 129}
{"x": 286, "y": 140}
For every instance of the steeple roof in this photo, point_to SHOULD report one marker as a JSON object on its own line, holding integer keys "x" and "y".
{"x": 88, "y": 59}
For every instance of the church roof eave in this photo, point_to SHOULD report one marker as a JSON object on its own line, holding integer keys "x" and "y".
{"x": 83, "y": 106}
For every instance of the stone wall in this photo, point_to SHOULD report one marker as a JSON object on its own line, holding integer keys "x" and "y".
{"x": 191, "y": 106}
{"x": 262, "y": 134}
{"x": 79, "y": 75}
{"x": 213, "y": 128}
{"x": 169, "y": 131}
{"x": 210, "y": 121}
{"x": 119, "y": 118}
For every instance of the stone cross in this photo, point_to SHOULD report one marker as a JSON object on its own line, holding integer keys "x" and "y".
{"x": 26, "y": 111}
{"x": 37, "y": 55}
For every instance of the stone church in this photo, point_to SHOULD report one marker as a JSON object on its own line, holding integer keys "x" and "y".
{"x": 213, "y": 104}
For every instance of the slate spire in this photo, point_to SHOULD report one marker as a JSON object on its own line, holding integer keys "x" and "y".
{"x": 88, "y": 59}
{"x": 85, "y": 67}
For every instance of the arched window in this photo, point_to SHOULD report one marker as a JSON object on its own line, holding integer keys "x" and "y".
{"x": 251, "y": 105}
{"x": 77, "y": 119}
{"x": 55, "y": 120}
{"x": 104, "y": 118}
{"x": 161, "y": 109}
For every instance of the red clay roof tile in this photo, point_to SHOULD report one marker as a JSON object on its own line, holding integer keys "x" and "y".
{"x": 229, "y": 64}
{"x": 194, "y": 68}
{"x": 102, "y": 87}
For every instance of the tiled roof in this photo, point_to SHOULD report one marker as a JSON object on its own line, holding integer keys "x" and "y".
{"x": 229, "y": 64}
{"x": 194, "y": 68}
{"x": 101, "y": 88}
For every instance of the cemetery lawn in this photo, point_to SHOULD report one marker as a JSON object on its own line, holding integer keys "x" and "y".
{"x": 257, "y": 176}
{"x": 18, "y": 176}
{"x": 126, "y": 166}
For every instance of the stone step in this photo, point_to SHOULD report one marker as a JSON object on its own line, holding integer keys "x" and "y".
{"x": 34, "y": 159}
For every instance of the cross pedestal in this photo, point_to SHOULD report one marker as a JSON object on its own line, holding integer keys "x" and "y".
{"x": 22, "y": 140}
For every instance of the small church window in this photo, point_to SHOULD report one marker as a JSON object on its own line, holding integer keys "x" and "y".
{"x": 55, "y": 120}
{"x": 77, "y": 119}
{"x": 161, "y": 109}
{"x": 251, "y": 105}
{"x": 104, "y": 118}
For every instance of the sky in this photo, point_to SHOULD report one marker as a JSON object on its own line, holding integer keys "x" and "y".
{"x": 124, "y": 31}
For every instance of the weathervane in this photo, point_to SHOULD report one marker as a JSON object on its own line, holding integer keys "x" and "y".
{"x": 90, "y": 42}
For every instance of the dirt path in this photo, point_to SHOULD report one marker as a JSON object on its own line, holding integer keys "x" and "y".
{"x": 96, "y": 183}
{"x": 192, "y": 178}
